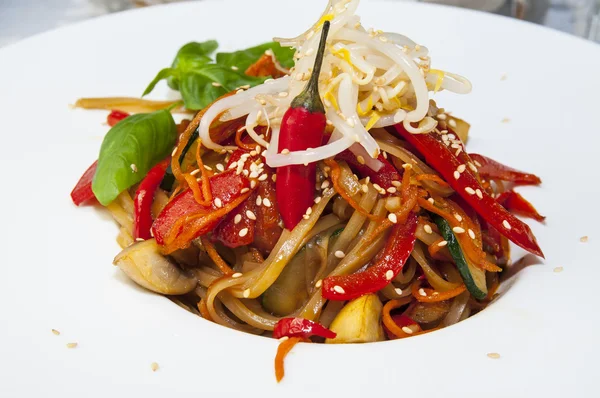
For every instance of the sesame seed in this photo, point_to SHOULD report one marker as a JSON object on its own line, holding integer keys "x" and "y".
{"x": 407, "y": 330}
{"x": 430, "y": 200}
{"x": 220, "y": 167}
{"x": 583, "y": 239}
{"x": 55, "y": 332}
{"x": 233, "y": 67}
{"x": 407, "y": 166}
{"x": 365, "y": 188}
{"x": 283, "y": 94}
{"x": 284, "y": 338}
{"x": 397, "y": 184}
{"x": 367, "y": 180}
{"x": 505, "y": 120}
{"x": 360, "y": 159}
{"x": 443, "y": 243}
{"x": 266, "y": 202}
{"x": 244, "y": 190}
{"x": 218, "y": 202}
{"x": 245, "y": 86}
{"x": 139, "y": 239}
{"x": 456, "y": 175}
{"x": 441, "y": 116}
{"x": 134, "y": 168}
{"x": 452, "y": 123}
{"x": 325, "y": 184}
{"x": 458, "y": 230}
{"x": 470, "y": 190}
{"x": 391, "y": 190}
{"x": 254, "y": 174}
{"x": 250, "y": 215}
{"x": 389, "y": 274}
{"x": 506, "y": 224}
{"x": 339, "y": 289}
{"x": 237, "y": 275}
{"x": 285, "y": 151}
{"x": 458, "y": 217}
{"x": 472, "y": 167}
{"x": 246, "y": 293}
{"x": 479, "y": 193}
{"x": 318, "y": 199}
{"x": 393, "y": 218}
{"x": 461, "y": 168}
{"x": 154, "y": 366}
{"x": 319, "y": 283}
{"x": 174, "y": 152}
{"x": 306, "y": 216}
{"x": 339, "y": 254}
{"x": 71, "y": 345}
{"x": 309, "y": 210}
{"x": 274, "y": 177}
{"x": 428, "y": 229}
{"x": 471, "y": 233}
{"x": 193, "y": 173}
{"x": 493, "y": 355}
{"x": 477, "y": 163}
{"x": 258, "y": 200}
{"x": 422, "y": 292}
{"x": 398, "y": 291}
{"x": 237, "y": 218}
{"x": 208, "y": 167}
{"x": 558, "y": 269}
{"x": 262, "y": 177}
{"x": 243, "y": 232}
{"x": 252, "y": 184}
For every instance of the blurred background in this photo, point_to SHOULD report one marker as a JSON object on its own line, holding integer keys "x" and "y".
{"x": 23, "y": 18}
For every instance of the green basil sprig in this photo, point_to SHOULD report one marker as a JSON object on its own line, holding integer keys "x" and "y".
{"x": 202, "y": 80}
{"x": 130, "y": 149}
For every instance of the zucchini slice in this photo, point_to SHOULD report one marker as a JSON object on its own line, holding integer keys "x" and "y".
{"x": 473, "y": 277}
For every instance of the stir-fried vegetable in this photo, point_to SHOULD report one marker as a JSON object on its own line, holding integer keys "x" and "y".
{"x": 144, "y": 196}
{"x": 83, "y": 190}
{"x": 302, "y": 127}
{"x": 298, "y": 327}
{"x": 358, "y": 322}
{"x": 514, "y": 202}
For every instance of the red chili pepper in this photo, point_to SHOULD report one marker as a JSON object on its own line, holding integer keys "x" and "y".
{"x": 115, "y": 117}
{"x": 226, "y": 186}
{"x": 397, "y": 249}
{"x": 384, "y": 177}
{"x": 401, "y": 321}
{"x": 517, "y": 204}
{"x": 300, "y": 327}
{"x": 228, "y": 231}
{"x": 439, "y": 156}
{"x": 491, "y": 169}
{"x": 144, "y": 196}
{"x": 83, "y": 190}
{"x": 302, "y": 127}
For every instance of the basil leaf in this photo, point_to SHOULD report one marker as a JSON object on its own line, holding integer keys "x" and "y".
{"x": 166, "y": 73}
{"x": 202, "y": 86}
{"x": 191, "y": 56}
{"x": 142, "y": 140}
{"x": 244, "y": 58}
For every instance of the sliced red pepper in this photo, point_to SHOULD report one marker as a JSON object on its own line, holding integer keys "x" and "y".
{"x": 115, "y": 116}
{"x": 439, "y": 156}
{"x": 302, "y": 127}
{"x": 268, "y": 220}
{"x": 397, "y": 249}
{"x": 491, "y": 169}
{"x": 384, "y": 177}
{"x": 226, "y": 186}
{"x": 300, "y": 327}
{"x": 144, "y": 196}
{"x": 229, "y": 231}
{"x": 517, "y": 204}
{"x": 83, "y": 190}
{"x": 401, "y": 321}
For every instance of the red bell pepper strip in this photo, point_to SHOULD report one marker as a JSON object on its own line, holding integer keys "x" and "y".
{"x": 229, "y": 231}
{"x": 226, "y": 187}
{"x": 439, "y": 156}
{"x": 397, "y": 249}
{"x": 490, "y": 169}
{"x": 115, "y": 117}
{"x": 144, "y": 196}
{"x": 302, "y": 127}
{"x": 300, "y": 327}
{"x": 83, "y": 190}
{"x": 384, "y": 177}
{"x": 401, "y": 321}
{"x": 517, "y": 204}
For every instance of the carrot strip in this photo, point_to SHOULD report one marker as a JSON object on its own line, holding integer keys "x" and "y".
{"x": 240, "y": 143}
{"x": 335, "y": 176}
{"x": 206, "y": 192}
{"x": 387, "y": 317}
{"x": 216, "y": 257}
{"x": 432, "y": 177}
{"x": 433, "y": 296}
{"x": 284, "y": 348}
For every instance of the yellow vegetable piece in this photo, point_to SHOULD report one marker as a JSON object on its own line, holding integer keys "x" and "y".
{"x": 359, "y": 321}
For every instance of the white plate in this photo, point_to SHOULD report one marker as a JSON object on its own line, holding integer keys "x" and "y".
{"x": 56, "y": 267}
